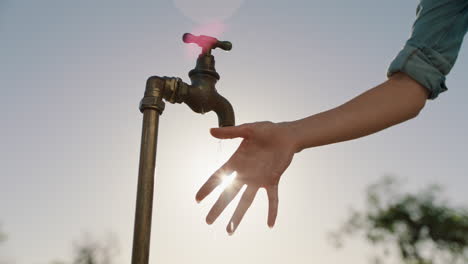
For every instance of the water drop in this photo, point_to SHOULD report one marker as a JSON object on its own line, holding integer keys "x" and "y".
{"x": 219, "y": 151}
{"x": 220, "y": 146}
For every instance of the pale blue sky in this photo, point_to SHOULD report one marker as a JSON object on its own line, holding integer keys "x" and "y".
{"x": 71, "y": 77}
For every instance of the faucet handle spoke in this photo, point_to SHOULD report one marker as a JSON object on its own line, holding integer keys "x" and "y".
{"x": 207, "y": 43}
{"x": 224, "y": 45}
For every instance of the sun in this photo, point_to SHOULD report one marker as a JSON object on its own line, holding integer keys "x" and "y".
{"x": 227, "y": 180}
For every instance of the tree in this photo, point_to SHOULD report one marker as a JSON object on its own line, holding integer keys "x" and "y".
{"x": 421, "y": 227}
{"x": 91, "y": 251}
{"x": 88, "y": 250}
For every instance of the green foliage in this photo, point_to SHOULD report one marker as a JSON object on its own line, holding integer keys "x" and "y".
{"x": 422, "y": 228}
{"x": 88, "y": 250}
{"x": 91, "y": 251}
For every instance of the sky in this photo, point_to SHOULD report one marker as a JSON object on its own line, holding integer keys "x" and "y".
{"x": 72, "y": 74}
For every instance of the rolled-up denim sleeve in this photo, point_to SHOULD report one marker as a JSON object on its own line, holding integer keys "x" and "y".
{"x": 436, "y": 38}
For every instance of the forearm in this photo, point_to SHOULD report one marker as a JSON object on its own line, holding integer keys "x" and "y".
{"x": 396, "y": 100}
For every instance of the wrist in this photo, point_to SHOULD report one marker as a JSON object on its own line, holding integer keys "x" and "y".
{"x": 290, "y": 130}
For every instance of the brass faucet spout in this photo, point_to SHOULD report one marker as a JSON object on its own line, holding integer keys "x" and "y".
{"x": 224, "y": 110}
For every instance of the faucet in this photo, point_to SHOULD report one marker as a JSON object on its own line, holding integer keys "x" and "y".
{"x": 201, "y": 96}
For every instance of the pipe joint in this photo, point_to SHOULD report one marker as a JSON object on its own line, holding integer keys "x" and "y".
{"x": 175, "y": 90}
{"x": 152, "y": 102}
{"x": 153, "y": 95}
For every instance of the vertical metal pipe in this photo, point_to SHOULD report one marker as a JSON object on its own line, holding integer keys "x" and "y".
{"x": 144, "y": 201}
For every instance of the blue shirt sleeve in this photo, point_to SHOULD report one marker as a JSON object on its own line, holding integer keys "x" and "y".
{"x": 436, "y": 38}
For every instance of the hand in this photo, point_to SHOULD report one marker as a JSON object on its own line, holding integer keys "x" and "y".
{"x": 262, "y": 157}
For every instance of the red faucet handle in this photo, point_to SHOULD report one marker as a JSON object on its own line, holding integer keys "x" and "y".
{"x": 207, "y": 43}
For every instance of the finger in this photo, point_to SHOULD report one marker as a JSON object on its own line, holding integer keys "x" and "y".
{"x": 246, "y": 200}
{"x": 272, "y": 193}
{"x": 224, "y": 199}
{"x": 213, "y": 182}
{"x": 231, "y": 132}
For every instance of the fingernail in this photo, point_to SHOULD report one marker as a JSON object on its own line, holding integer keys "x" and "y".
{"x": 230, "y": 228}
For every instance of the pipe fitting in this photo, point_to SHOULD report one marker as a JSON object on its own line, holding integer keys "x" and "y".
{"x": 175, "y": 90}
{"x": 153, "y": 95}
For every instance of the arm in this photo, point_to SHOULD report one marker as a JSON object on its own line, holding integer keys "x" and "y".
{"x": 396, "y": 100}
{"x": 268, "y": 148}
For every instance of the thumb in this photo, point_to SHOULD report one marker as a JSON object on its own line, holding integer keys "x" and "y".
{"x": 231, "y": 132}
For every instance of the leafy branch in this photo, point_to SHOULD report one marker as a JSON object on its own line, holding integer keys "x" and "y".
{"x": 421, "y": 227}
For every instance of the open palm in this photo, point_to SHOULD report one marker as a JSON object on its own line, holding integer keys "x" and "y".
{"x": 264, "y": 154}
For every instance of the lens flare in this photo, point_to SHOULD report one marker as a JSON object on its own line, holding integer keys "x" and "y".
{"x": 210, "y": 16}
{"x": 213, "y": 29}
{"x": 227, "y": 180}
